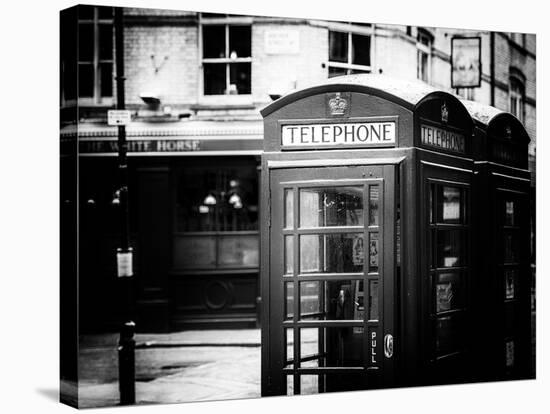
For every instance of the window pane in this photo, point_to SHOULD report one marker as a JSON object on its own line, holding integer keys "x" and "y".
{"x": 360, "y": 52}
{"x": 85, "y": 80}
{"x": 510, "y": 354}
{"x": 239, "y": 78}
{"x": 331, "y": 206}
{"x": 194, "y": 252}
{"x": 85, "y": 12}
{"x": 449, "y": 248}
{"x": 239, "y": 41}
{"x": 332, "y": 300}
{"x": 510, "y": 248}
{"x": 449, "y": 204}
{"x": 289, "y": 255}
{"x": 373, "y": 252}
{"x": 510, "y": 283}
{"x": 373, "y": 300}
{"x": 333, "y": 72}
{"x": 509, "y": 217}
{"x": 338, "y": 47}
{"x": 448, "y": 292}
{"x": 105, "y": 12}
{"x": 449, "y": 335}
{"x": 213, "y": 41}
{"x": 105, "y": 42}
{"x": 331, "y": 253}
{"x": 343, "y": 348}
{"x": 289, "y": 208}
{"x": 373, "y": 205}
{"x": 214, "y": 78}
{"x": 106, "y": 70}
{"x": 85, "y": 42}
{"x": 239, "y": 251}
{"x": 289, "y": 301}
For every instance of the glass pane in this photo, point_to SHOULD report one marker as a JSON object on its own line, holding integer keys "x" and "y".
{"x": 86, "y": 42}
{"x": 333, "y": 72}
{"x": 510, "y": 354}
{"x": 289, "y": 300}
{"x": 239, "y": 41}
{"x": 448, "y": 292}
{"x": 239, "y": 78}
{"x": 449, "y": 248}
{"x": 289, "y": 255}
{"x": 213, "y": 41}
{"x": 373, "y": 252}
{"x": 214, "y": 79}
{"x": 338, "y": 47}
{"x": 239, "y": 251}
{"x": 449, "y": 200}
{"x": 106, "y": 71}
{"x": 289, "y": 344}
{"x": 373, "y": 205}
{"x": 331, "y": 206}
{"x": 373, "y": 300}
{"x": 195, "y": 252}
{"x": 331, "y": 253}
{"x": 105, "y": 42}
{"x": 332, "y": 300}
{"x": 449, "y": 335}
{"x": 432, "y": 189}
{"x": 289, "y": 208}
{"x": 85, "y": 80}
{"x": 510, "y": 283}
{"x": 105, "y": 12}
{"x": 509, "y": 218}
{"x": 342, "y": 347}
{"x": 85, "y": 12}
{"x": 360, "y": 52}
{"x": 309, "y": 384}
{"x": 510, "y": 248}
{"x": 290, "y": 385}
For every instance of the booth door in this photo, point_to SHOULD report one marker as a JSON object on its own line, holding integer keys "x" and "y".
{"x": 331, "y": 279}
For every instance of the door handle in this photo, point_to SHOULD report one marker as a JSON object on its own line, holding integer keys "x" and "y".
{"x": 388, "y": 345}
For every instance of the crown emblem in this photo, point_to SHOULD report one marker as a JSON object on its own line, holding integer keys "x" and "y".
{"x": 338, "y": 105}
{"x": 508, "y": 131}
{"x": 444, "y": 113}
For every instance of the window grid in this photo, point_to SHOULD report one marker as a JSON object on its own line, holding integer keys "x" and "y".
{"x": 338, "y": 68}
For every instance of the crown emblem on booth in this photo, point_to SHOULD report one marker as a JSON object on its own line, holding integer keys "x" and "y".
{"x": 338, "y": 105}
{"x": 444, "y": 113}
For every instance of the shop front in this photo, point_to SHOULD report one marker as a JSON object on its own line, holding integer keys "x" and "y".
{"x": 368, "y": 213}
{"x": 193, "y": 222}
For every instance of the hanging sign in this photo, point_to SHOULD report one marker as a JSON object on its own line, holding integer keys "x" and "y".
{"x": 465, "y": 62}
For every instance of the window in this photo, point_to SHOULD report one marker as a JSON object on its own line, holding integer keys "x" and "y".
{"x": 95, "y": 53}
{"x": 226, "y": 55}
{"x": 349, "y": 52}
{"x": 517, "y": 98}
{"x": 217, "y": 216}
{"x": 424, "y": 54}
{"x": 518, "y": 38}
{"x": 466, "y": 93}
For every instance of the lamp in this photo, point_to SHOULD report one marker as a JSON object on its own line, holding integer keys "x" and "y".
{"x": 209, "y": 200}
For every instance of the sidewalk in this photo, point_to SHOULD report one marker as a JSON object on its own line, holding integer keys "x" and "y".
{"x": 176, "y": 367}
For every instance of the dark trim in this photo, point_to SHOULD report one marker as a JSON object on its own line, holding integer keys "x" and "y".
{"x": 336, "y": 87}
{"x": 155, "y": 20}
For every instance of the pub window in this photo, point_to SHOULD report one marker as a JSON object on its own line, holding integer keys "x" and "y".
{"x": 95, "y": 53}
{"x": 424, "y": 54}
{"x": 217, "y": 217}
{"x": 349, "y": 51}
{"x": 226, "y": 54}
{"x": 517, "y": 98}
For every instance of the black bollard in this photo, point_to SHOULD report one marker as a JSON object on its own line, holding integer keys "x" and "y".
{"x": 126, "y": 364}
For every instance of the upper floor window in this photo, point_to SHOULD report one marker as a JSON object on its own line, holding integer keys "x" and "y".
{"x": 349, "y": 52}
{"x": 518, "y": 38}
{"x": 517, "y": 98}
{"x": 95, "y": 53}
{"x": 226, "y": 55}
{"x": 424, "y": 54}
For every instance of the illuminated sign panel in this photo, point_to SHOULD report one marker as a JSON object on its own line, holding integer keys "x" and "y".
{"x": 442, "y": 139}
{"x": 359, "y": 134}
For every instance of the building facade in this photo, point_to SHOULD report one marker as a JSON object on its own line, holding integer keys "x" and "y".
{"x": 195, "y": 83}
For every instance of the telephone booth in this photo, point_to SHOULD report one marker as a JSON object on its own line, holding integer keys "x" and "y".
{"x": 366, "y": 238}
{"x": 503, "y": 240}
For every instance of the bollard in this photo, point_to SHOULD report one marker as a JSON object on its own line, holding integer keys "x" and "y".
{"x": 126, "y": 364}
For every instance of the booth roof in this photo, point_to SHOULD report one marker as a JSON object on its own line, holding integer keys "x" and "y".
{"x": 481, "y": 112}
{"x": 411, "y": 91}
